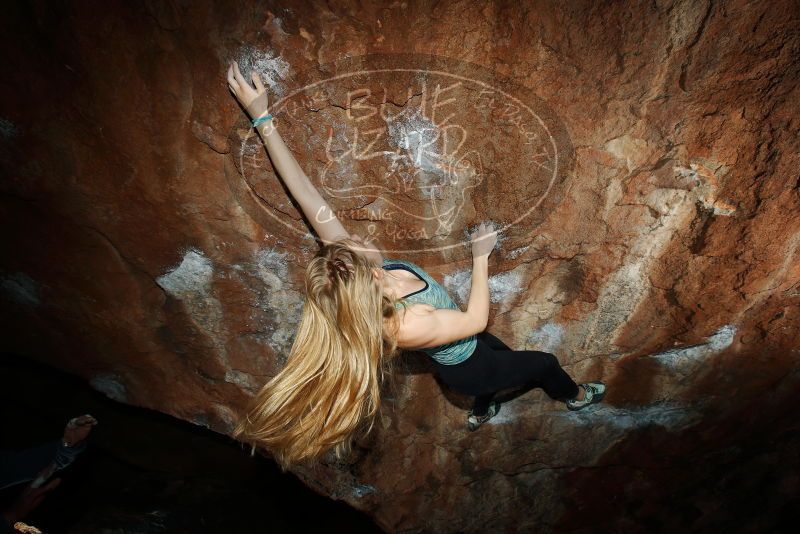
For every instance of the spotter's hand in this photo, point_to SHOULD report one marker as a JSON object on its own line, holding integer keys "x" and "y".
{"x": 78, "y": 428}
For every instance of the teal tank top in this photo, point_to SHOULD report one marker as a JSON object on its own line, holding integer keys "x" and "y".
{"x": 435, "y": 295}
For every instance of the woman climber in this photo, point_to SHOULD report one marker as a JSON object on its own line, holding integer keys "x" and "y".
{"x": 360, "y": 310}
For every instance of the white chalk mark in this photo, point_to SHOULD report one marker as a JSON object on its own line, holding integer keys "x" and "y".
{"x": 110, "y": 385}
{"x": 21, "y": 288}
{"x": 193, "y": 276}
{"x": 7, "y": 128}
{"x": 546, "y": 338}
{"x": 685, "y": 358}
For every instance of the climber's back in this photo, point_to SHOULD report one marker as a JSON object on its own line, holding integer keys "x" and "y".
{"x": 432, "y": 322}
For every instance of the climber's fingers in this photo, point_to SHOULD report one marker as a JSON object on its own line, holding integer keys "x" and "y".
{"x": 243, "y": 85}
{"x": 257, "y": 81}
{"x": 232, "y": 83}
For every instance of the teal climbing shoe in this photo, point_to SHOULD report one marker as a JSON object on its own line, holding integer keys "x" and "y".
{"x": 594, "y": 394}
{"x": 475, "y": 421}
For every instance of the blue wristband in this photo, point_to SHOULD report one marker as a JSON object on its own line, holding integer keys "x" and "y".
{"x": 259, "y": 120}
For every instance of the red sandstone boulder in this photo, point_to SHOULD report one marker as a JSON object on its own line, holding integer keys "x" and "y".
{"x": 641, "y": 159}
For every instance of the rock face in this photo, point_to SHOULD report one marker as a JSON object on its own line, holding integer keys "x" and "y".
{"x": 641, "y": 160}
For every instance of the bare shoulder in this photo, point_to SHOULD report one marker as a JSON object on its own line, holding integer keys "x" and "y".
{"x": 410, "y": 321}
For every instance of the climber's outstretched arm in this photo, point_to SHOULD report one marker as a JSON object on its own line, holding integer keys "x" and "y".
{"x": 314, "y": 207}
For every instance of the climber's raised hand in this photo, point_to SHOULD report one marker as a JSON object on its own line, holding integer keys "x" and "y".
{"x": 483, "y": 240}
{"x": 254, "y": 101}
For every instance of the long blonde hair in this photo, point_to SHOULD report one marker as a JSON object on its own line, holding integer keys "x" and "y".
{"x": 329, "y": 389}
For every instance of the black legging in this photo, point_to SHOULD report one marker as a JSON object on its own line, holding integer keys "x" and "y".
{"x": 493, "y": 367}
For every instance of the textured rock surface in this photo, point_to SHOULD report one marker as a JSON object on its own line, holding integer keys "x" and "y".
{"x": 642, "y": 159}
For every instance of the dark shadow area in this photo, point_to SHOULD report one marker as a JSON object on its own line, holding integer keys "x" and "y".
{"x": 145, "y": 471}
{"x": 735, "y": 471}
